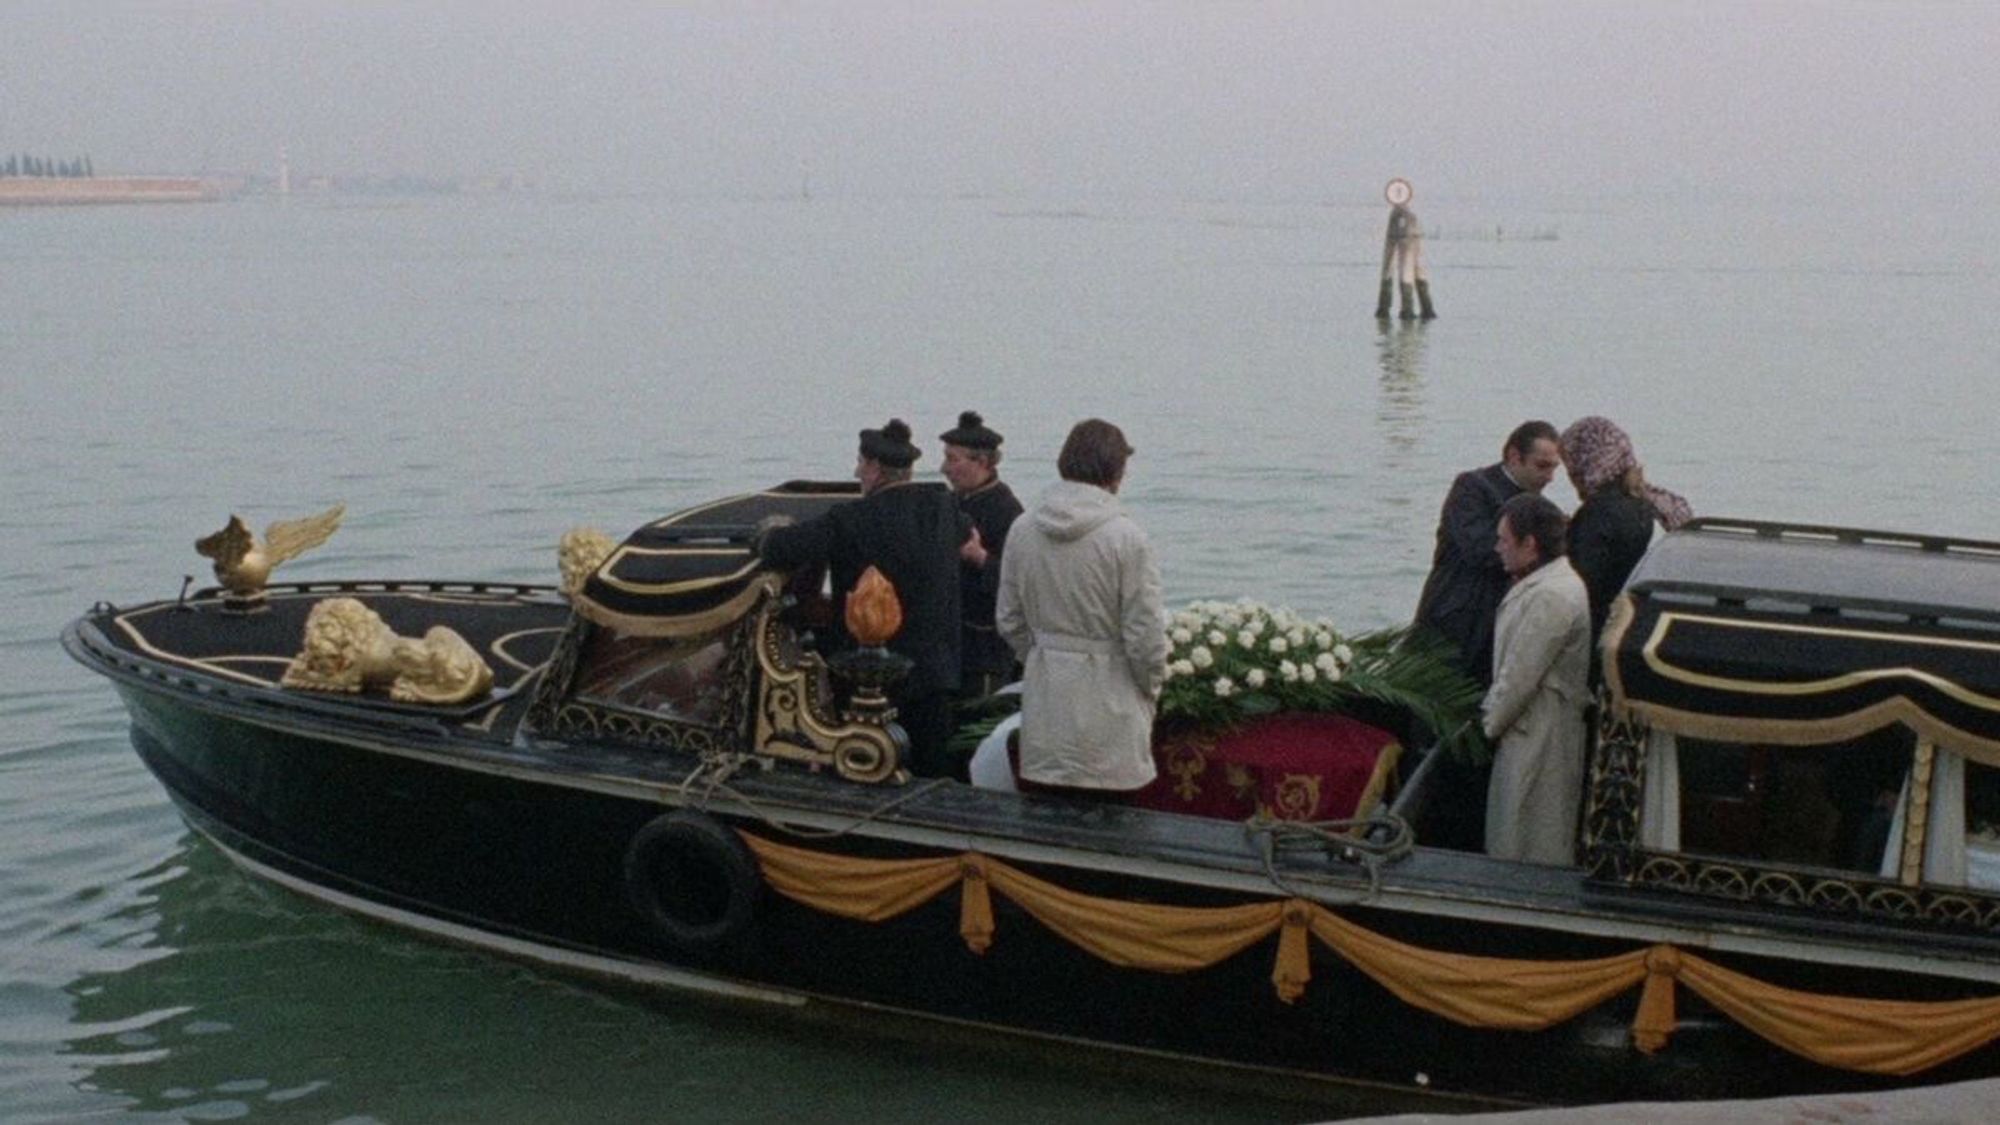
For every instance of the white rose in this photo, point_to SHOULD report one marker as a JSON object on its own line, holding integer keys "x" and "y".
{"x": 1333, "y": 677}
{"x": 1182, "y": 636}
{"x": 1246, "y": 638}
{"x": 1323, "y": 639}
{"x": 1201, "y": 657}
{"x": 1279, "y": 644}
{"x": 1182, "y": 667}
{"x": 1255, "y": 626}
{"x": 1306, "y": 674}
{"x": 1326, "y": 663}
{"x": 1216, "y": 638}
{"x": 1343, "y": 654}
{"x": 1297, "y": 638}
{"x": 1288, "y": 671}
{"x": 1224, "y": 687}
{"x": 1254, "y": 677}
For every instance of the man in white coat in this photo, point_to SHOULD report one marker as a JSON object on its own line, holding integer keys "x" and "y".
{"x": 1079, "y": 602}
{"x": 1533, "y": 713}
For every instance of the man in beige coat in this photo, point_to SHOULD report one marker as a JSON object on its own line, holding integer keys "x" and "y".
{"x": 1079, "y": 602}
{"x": 1533, "y": 713}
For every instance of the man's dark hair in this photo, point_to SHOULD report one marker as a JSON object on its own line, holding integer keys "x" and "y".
{"x": 1533, "y": 516}
{"x": 1094, "y": 453}
{"x": 1525, "y": 435}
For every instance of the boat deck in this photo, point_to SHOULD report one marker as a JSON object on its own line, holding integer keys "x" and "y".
{"x": 515, "y": 628}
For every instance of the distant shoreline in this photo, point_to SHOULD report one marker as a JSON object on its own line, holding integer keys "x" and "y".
{"x": 60, "y": 191}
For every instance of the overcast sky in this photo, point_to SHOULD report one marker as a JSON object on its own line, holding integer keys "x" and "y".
{"x": 1281, "y": 101}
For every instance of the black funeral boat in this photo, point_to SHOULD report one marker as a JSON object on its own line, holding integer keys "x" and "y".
{"x": 1789, "y": 879}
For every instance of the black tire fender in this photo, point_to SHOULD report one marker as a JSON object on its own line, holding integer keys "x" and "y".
{"x": 692, "y": 880}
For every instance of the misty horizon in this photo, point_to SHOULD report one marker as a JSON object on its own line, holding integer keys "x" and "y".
{"x": 1281, "y": 102}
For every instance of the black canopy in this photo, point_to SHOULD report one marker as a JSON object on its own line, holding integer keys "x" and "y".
{"x": 694, "y": 571}
{"x": 1797, "y": 636}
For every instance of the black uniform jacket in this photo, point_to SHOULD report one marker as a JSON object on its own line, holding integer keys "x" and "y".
{"x": 1461, "y": 598}
{"x": 993, "y": 510}
{"x": 912, "y": 533}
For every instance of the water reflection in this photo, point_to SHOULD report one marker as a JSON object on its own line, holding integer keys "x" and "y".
{"x": 1399, "y": 410}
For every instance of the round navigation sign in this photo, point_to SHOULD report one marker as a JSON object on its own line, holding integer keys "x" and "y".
{"x": 1399, "y": 191}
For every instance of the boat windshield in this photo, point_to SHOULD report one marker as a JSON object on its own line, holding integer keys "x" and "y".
{"x": 678, "y": 679}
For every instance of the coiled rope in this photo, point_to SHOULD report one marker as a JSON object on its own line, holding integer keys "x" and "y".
{"x": 711, "y": 778}
{"x": 1369, "y": 842}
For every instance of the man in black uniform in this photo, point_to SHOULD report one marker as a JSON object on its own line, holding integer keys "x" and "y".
{"x": 971, "y": 464}
{"x": 912, "y": 533}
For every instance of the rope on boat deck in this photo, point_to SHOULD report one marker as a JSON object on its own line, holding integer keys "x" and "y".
{"x": 1369, "y": 842}
{"x": 716, "y": 768}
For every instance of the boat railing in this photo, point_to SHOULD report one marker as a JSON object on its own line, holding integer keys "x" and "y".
{"x": 730, "y": 534}
{"x": 1409, "y": 803}
{"x": 1849, "y": 536}
{"x": 393, "y": 586}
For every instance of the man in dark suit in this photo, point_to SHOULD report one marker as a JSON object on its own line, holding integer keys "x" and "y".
{"x": 1461, "y": 603}
{"x": 912, "y": 533}
{"x": 1461, "y": 598}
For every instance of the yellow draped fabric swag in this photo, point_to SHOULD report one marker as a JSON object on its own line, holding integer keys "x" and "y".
{"x": 1880, "y": 1036}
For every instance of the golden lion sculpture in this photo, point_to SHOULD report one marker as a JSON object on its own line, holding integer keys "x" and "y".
{"x": 349, "y": 647}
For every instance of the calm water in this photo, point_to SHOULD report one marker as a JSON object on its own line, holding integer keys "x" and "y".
{"x": 473, "y": 377}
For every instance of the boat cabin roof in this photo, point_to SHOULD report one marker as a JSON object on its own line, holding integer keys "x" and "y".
{"x": 1828, "y": 569}
{"x": 1795, "y": 635}
{"x": 695, "y": 570}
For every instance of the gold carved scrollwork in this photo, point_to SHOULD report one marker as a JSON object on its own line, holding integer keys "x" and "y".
{"x": 795, "y": 719}
{"x": 581, "y": 552}
{"x": 348, "y": 647}
{"x": 1916, "y": 822}
{"x": 1617, "y": 775}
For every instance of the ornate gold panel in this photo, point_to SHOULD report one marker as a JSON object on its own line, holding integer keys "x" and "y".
{"x": 794, "y": 716}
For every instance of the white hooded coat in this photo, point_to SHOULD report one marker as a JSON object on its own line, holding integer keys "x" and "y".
{"x": 1534, "y": 714}
{"x": 1079, "y": 602}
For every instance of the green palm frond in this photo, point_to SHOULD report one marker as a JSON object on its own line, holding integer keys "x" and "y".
{"x": 1417, "y": 674}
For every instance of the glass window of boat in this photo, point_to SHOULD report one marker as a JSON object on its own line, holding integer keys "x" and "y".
{"x": 1982, "y": 826}
{"x": 1957, "y": 842}
{"x": 676, "y": 678}
{"x": 1831, "y": 806}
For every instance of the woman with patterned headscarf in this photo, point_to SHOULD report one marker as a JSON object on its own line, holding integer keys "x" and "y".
{"x": 1614, "y": 522}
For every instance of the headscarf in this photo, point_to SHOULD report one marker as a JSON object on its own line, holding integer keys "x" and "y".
{"x": 1598, "y": 453}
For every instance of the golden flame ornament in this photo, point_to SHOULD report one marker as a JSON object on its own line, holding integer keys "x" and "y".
{"x": 874, "y": 613}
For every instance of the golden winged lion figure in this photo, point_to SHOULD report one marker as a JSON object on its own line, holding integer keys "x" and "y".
{"x": 243, "y": 563}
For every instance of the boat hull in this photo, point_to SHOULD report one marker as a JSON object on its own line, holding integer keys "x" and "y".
{"x": 529, "y": 860}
